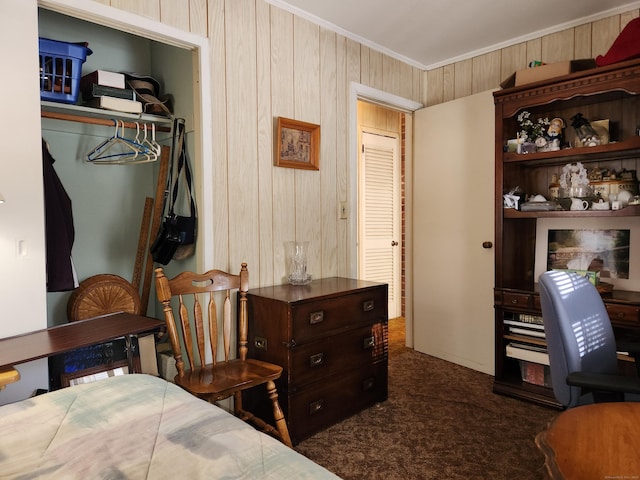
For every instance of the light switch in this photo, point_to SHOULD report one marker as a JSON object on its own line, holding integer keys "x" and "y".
{"x": 21, "y": 248}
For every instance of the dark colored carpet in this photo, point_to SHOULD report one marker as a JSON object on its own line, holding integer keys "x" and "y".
{"x": 441, "y": 421}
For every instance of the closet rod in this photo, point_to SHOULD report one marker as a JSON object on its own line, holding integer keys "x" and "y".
{"x": 94, "y": 121}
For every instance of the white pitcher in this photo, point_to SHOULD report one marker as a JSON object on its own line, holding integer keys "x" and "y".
{"x": 579, "y": 204}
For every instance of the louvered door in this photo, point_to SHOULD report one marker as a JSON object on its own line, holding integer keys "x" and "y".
{"x": 379, "y": 227}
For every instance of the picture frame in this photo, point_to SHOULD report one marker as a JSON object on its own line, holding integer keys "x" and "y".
{"x": 297, "y": 145}
{"x": 596, "y": 224}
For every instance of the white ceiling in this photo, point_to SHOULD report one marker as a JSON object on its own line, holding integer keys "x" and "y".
{"x": 432, "y": 33}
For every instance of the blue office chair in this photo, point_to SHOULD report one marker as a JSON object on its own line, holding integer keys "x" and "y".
{"x": 580, "y": 342}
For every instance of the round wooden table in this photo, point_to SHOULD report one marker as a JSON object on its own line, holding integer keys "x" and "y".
{"x": 599, "y": 441}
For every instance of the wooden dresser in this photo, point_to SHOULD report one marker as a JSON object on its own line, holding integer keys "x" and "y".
{"x": 331, "y": 339}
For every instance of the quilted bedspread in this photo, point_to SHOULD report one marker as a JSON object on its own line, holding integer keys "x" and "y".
{"x": 138, "y": 427}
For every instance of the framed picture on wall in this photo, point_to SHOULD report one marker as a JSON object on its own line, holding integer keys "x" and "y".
{"x": 298, "y": 144}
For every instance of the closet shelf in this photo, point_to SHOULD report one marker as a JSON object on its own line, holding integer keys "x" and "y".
{"x": 79, "y": 113}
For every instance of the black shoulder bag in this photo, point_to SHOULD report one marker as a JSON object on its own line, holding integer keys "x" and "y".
{"x": 177, "y": 236}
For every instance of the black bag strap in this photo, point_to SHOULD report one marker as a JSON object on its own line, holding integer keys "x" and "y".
{"x": 183, "y": 166}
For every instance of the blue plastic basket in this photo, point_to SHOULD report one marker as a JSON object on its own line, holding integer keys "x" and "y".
{"x": 61, "y": 69}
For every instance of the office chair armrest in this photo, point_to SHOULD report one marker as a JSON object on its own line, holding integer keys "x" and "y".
{"x": 603, "y": 382}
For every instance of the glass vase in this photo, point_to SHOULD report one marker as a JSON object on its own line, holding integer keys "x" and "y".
{"x": 297, "y": 254}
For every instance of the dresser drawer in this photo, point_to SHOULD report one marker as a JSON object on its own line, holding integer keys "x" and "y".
{"x": 328, "y": 356}
{"x": 323, "y": 404}
{"x": 516, "y": 300}
{"x": 623, "y": 314}
{"x": 316, "y": 319}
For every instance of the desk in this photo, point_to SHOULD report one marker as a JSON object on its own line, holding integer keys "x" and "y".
{"x": 598, "y": 441}
{"x": 70, "y": 336}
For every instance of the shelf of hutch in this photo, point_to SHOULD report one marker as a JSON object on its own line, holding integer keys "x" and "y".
{"x": 95, "y": 116}
{"x": 331, "y": 339}
{"x": 611, "y": 93}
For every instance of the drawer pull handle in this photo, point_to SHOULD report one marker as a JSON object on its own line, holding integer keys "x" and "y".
{"x": 620, "y": 315}
{"x": 369, "y": 342}
{"x": 316, "y": 317}
{"x": 315, "y": 407}
{"x": 316, "y": 360}
{"x": 260, "y": 343}
{"x": 368, "y": 305}
{"x": 514, "y": 301}
{"x": 368, "y": 384}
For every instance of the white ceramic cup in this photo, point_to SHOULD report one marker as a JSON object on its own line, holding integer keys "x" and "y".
{"x": 579, "y": 204}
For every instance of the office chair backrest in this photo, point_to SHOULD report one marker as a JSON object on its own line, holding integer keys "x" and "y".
{"x": 578, "y": 331}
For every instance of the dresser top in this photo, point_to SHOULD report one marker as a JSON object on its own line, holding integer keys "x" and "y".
{"x": 321, "y": 288}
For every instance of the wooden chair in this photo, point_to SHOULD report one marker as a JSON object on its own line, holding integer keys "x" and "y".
{"x": 219, "y": 379}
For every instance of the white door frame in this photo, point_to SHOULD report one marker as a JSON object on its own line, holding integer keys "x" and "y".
{"x": 357, "y": 92}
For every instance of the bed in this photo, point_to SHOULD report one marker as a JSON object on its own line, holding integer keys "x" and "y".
{"x": 138, "y": 427}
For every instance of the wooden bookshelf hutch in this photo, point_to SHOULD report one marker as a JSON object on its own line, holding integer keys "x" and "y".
{"x": 609, "y": 92}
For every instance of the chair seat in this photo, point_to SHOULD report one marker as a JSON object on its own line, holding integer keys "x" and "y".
{"x": 223, "y": 379}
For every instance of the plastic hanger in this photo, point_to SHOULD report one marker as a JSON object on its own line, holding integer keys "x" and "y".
{"x": 118, "y": 149}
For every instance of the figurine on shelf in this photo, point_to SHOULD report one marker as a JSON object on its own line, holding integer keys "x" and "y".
{"x": 586, "y": 134}
{"x": 555, "y": 134}
{"x": 574, "y": 181}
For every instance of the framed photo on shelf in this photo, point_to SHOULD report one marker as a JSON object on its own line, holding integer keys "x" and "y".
{"x": 607, "y": 245}
{"x": 298, "y": 144}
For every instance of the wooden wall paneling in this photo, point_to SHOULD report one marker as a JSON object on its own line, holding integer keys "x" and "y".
{"x": 364, "y": 64}
{"x": 582, "y": 41}
{"x": 376, "y": 69}
{"x": 485, "y": 72}
{"x": 435, "y": 86}
{"x": 329, "y": 206}
{"x": 417, "y": 85}
{"x": 220, "y": 214}
{"x": 534, "y": 50}
{"x": 198, "y": 17}
{"x": 513, "y": 58}
{"x": 282, "y": 104}
{"x": 242, "y": 120}
{"x": 603, "y": 34}
{"x": 463, "y": 78}
{"x": 558, "y": 46}
{"x": 342, "y": 127}
{"x": 391, "y": 75}
{"x": 306, "y": 84}
{"x": 353, "y": 63}
{"x": 626, "y": 17}
{"x": 264, "y": 276}
{"x": 449, "y": 82}
{"x": 405, "y": 74}
{"x": 175, "y": 13}
{"x": 145, "y": 8}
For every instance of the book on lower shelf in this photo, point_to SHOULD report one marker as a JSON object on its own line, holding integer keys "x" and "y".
{"x": 528, "y": 353}
{"x": 533, "y": 361}
{"x": 116, "y": 104}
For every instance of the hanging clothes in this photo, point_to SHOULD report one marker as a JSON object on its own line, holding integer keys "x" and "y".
{"x": 59, "y": 230}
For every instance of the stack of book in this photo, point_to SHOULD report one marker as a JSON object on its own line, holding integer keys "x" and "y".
{"x": 105, "y": 89}
{"x": 527, "y": 346}
{"x": 525, "y": 324}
